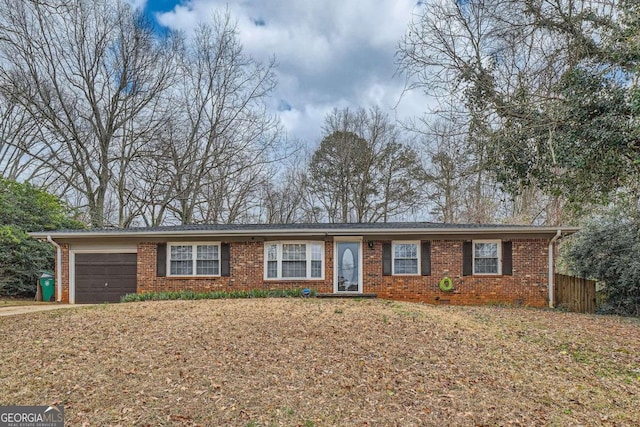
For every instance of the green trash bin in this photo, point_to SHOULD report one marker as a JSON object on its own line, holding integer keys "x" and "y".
{"x": 48, "y": 286}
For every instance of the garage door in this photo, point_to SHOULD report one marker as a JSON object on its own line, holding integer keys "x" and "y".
{"x": 104, "y": 277}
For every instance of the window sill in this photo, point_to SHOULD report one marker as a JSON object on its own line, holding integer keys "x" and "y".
{"x": 294, "y": 279}
{"x": 192, "y": 277}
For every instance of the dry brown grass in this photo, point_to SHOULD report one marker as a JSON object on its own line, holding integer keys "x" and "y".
{"x": 11, "y": 302}
{"x": 311, "y": 362}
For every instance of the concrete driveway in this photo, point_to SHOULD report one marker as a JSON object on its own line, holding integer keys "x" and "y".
{"x": 24, "y": 309}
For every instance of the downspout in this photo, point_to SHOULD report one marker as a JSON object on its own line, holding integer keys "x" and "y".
{"x": 58, "y": 268}
{"x": 551, "y": 272}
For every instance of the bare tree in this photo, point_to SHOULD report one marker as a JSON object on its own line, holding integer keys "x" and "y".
{"x": 449, "y": 167}
{"x": 492, "y": 65}
{"x": 504, "y": 63}
{"x": 340, "y": 163}
{"x": 447, "y": 52}
{"x": 285, "y": 198}
{"x": 82, "y": 70}
{"x": 361, "y": 172}
{"x": 19, "y": 149}
{"x": 217, "y": 146}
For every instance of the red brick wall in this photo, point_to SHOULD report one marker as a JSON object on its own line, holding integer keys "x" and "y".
{"x": 528, "y": 285}
{"x": 247, "y": 272}
{"x": 65, "y": 273}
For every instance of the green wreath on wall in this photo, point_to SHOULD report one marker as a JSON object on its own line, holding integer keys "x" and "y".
{"x": 446, "y": 284}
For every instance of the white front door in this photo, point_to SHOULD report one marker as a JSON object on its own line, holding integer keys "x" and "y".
{"x": 348, "y": 266}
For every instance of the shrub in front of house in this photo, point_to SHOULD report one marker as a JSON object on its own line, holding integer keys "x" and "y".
{"x": 191, "y": 295}
{"x": 608, "y": 250}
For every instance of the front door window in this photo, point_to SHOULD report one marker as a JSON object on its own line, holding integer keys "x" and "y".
{"x": 348, "y": 269}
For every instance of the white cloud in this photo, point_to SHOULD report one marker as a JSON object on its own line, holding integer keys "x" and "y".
{"x": 306, "y": 121}
{"x": 333, "y": 53}
{"x": 182, "y": 17}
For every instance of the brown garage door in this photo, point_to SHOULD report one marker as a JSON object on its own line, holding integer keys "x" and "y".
{"x": 104, "y": 277}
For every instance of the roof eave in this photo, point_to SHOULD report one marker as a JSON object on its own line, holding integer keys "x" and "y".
{"x": 305, "y": 232}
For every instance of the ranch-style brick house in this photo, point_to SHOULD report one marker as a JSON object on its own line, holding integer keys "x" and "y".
{"x": 473, "y": 263}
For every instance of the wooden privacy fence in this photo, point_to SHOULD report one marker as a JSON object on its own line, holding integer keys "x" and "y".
{"x": 575, "y": 294}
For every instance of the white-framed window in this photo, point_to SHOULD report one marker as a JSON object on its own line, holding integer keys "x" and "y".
{"x": 487, "y": 256}
{"x": 193, "y": 259}
{"x": 406, "y": 258}
{"x": 294, "y": 260}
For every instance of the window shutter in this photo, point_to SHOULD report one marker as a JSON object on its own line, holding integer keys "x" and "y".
{"x": 467, "y": 258}
{"x": 386, "y": 259}
{"x": 507, "y": 258}
{"x": 161, "y": 260}
{"x": 425, "y": 255}
{"x": 225, "y": 260}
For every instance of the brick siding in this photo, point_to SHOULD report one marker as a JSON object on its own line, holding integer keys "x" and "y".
{"x": 65, "y": 273}
{"x": 247, "y": 265}
{"x": 527, "y": 286}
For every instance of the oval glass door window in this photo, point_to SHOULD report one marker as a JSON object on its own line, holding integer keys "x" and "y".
{"x": 348, "y": 265}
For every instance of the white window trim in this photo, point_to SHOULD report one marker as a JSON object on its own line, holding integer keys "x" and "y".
{"x": 473, "y": 257}
{"x": 195, "y": 256}
{"x": 279, "y": 244}
{"x": 90, "y": 250}
{"x": 393, "y": 256}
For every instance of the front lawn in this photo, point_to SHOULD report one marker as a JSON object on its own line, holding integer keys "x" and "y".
{"x": 311, "y": 362}
{"x": 16, "y": 302}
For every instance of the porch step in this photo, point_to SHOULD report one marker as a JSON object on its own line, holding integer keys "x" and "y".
{"x": 346, "y": 295}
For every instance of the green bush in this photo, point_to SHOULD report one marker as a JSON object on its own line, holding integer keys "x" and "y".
{"x": 22, "y": 259}
{"x": 609, "y": 251}
{"x": 25, "y": 208}
{"x": 191, "y": 295}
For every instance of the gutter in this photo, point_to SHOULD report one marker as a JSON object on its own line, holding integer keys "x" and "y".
{"x": 551, "y": 269}
{"x": 304, "y": 232}
{"x": 58, "y": 268}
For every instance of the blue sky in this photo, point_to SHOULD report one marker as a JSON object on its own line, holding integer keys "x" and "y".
{"x": 330, "y": 53}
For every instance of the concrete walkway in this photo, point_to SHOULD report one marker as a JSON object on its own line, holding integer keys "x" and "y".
{"x": 24, "y": 309}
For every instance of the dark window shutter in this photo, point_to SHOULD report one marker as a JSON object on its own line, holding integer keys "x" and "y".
{"x": 425, "y": 255}
{"x": 507, "y": 258}
{"x": 467, "y": 258}
{"x": 161, "y": 258}
{"x": 386, "y": 259}
{"x": 225, "y": 260}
